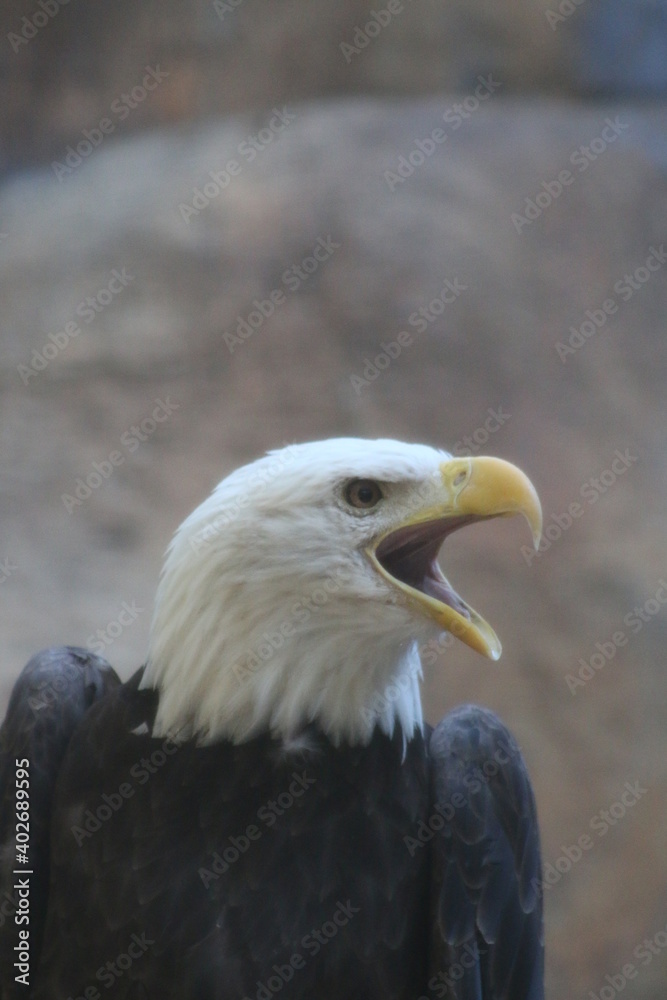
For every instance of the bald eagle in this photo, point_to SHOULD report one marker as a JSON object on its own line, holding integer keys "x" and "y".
{"x": 261, "y": 811}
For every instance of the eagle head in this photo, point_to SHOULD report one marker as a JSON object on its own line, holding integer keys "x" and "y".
{"x": 302, "y": 588}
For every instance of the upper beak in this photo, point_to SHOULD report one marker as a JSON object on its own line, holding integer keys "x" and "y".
{"x": 469, "y": 489}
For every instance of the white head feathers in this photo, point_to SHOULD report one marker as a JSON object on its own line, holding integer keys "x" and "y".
{"x": 269, "y": 613}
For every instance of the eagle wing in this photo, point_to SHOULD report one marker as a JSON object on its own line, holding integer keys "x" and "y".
{"x": 54, "y": 691}
{"x": 488, "y": 940}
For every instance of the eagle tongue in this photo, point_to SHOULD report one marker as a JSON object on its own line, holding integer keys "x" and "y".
{"x": 441, "y": 591}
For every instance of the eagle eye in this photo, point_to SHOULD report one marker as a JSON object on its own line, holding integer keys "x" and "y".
{"x": 363, "y": 493}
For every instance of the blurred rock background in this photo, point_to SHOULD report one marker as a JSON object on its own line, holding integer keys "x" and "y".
{"x": 518, "y": 151}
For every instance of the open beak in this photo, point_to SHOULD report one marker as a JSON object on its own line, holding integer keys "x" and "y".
{"x": 470, "y": 489}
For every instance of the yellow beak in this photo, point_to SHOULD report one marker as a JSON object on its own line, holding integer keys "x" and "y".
{"x": 470, "y": 489}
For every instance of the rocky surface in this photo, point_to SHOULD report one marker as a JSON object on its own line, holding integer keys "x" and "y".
{"x": 128, "y": 288}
